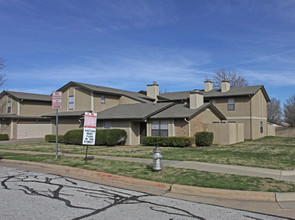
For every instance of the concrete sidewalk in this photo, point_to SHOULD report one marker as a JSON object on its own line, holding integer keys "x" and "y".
{"x": 286, "y": 175}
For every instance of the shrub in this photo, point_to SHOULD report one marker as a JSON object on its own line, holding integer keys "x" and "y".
{"x": 168, "y": 141}
{"x": 204, "y": 138}
{"x": 52, "y": 138}
{"x": 4, "y": 137}
{"x": 74, "y": 137}
{"x": 109, "y": 137}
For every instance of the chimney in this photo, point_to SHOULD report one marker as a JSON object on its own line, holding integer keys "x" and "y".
{"x": 225, "y": 86}
{"x": 153, "y": 90}
{"x": 196, "y": 99}
{"x": 208, "y": 85}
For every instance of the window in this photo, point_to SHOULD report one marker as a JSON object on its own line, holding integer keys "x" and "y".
{"x": 9, "y": 107}
{"x": 107, "y": 125}
{"x": 160, "y": 128}
{"x": 261, "y": 127}
{"x": 102, "y": 99}
{"x": 213, "y": 101}
{"x": 231, "y": 105}
{"x": 71, "y": 102}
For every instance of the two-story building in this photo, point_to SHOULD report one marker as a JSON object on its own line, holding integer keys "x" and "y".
{"x": 247, "y": 105}
{"x": 144, "y": 113}
{"x": 21, "y": 115}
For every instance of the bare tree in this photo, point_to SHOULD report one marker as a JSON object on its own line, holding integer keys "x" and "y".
{"x": 234, "y": 79}
{"x": 289, "y": 111}
{"x": 2, "y": 75}
{"x": 274, "y": 111}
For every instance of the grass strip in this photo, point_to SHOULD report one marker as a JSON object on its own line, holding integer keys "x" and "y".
{"x": 167, "y": 175}
{"x": 267, "y": 152}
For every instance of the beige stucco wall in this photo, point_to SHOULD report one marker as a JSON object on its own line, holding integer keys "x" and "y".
{"x": 131, "y": 128}
{"x": 110, "y": 101}
{"x": 66, "y": 124}
{"x": 285, "y": 132}
{"x": 3, "y": 105}
{"x": 250, "y": 112}
{"x": 242, "y": 106}
{"x": 86, "y": 100}
{"x": 271, "y": 130}
{"x": 5, "y": 127}
{"x": 34, "y": 108}
{"x": 82, "y": 100}
{"x": 226, "y": 133}
{"x": 126, "y": 100}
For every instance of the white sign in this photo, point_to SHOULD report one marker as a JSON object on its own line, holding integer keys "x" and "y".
{"x": 56, "y": 99}
{"x": 89, "y": 131}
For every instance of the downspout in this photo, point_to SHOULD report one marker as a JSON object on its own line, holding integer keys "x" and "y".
{"x": 189, "y": 127}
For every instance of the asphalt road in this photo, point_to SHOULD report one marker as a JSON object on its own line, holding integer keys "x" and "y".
{"x": 30, "y": 195}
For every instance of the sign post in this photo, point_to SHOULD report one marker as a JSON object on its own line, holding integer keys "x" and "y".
{"x": 89, "y": 131}
{"x": 56, "y": 104}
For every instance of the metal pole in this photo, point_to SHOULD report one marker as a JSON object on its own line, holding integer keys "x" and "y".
{"x": 56, "y": 125}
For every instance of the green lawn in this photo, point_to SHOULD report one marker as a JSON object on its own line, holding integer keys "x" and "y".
{"x": 268, "y": 152}
{"x": 168, "y": 175}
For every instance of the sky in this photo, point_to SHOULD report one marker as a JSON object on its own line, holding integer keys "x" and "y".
{"x": 128, "y": 44}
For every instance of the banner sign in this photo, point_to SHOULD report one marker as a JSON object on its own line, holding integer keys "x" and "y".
{"x": 89, "y": 131}
{"x": 56, "y": 99}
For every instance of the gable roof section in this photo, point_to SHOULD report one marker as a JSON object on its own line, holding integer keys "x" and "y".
{"x": 67, "y": 114}
{"x": 140, "y": 111}
{"x": 183, "y": 111}
{"x": 111, "y": 91}
{"x": 215, "y": 93}
{"x": 27, "y": 96}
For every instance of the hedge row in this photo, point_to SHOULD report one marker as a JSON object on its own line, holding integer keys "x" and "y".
{"x": 168, "y": 141}
{"x": 204, "y": 138}
{"x": 4, "y": 137}
{"x": 108, "y": 137}
{"x": 52, "y": 138}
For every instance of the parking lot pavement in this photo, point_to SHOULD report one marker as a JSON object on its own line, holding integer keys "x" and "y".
{"x": 30, "y": 195}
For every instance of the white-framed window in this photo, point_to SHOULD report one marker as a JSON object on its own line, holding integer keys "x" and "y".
{"x": 261, "y": 127}
{"x": 71, "y": 102}
{"x": 160, "y": 128}
{"x": 213, "y": 101}
{"x": 102, "y": 99}
{"x": 8, "y": 106}
{"x": 107, "y": 125}
{"x": 231, "y": 104}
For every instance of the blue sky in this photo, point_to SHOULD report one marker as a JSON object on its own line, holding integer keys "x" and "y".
{"x": 128, "y": 44}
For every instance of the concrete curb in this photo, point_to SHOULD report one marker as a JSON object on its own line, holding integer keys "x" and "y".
{"x": 285, "y": 197}
{"x": 146, "y": 185}
{"x": 92, "y": 176}
{"x": 223, "y": 193}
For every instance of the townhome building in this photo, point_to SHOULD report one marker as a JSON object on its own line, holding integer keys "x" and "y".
{"x": 232, "y": 113}
{"x": 247, "y": 105}
{"x": 21, "y": 114}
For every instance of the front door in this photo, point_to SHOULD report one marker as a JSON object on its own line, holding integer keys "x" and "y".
{"x": 142, "y": 130}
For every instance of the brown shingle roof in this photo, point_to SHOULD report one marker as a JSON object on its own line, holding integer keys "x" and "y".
{"x": 215, "y": 93}
{"x": 27, "y": 96}
{"x": 107, "y": 90}
{"x": 133, "y": 111}
{"x": 183, "y": 111}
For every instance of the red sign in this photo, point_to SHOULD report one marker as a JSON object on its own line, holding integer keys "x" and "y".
{"x": 56, "y": 99}
{"x": 90, "y": 120}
